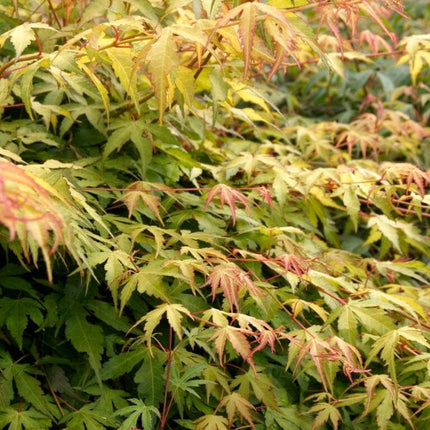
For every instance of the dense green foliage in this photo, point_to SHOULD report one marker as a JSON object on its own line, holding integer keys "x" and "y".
{"x": 214, "y": 215}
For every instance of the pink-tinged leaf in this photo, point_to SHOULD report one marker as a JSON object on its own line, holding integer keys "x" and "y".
{"x": 266, "y": 196}
{"x": 285, "y": 39}
{"x": 319, "y": 351}
{"x": 227, "y": 195}
{"x": 266, "y": 338}
{"x": 233, "y": 281}
{"x": 374, "y": 41}
{"x": 29, "y": 210}
{"x": 263, "y": 332}
{"x": 352, "y": 361}
{"x": 239, "y": 342}
{"x": 377, "y": 14}
{"x": 408, "y": 172}
{"x": 282, "y": 33}
{"x": 247, "y": 27}
{"x": 292, "y": 263}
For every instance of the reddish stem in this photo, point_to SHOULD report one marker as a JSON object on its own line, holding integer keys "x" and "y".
{"x": 166, "y": 408}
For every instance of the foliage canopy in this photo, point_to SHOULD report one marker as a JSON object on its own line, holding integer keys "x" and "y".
{"x": 214, "y": 214}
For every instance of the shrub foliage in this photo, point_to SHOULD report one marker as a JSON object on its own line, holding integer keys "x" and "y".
{"x": 214, "y": 214}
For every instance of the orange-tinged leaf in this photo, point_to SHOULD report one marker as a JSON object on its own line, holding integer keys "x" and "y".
{"x": 140, "y": 191}
{"x": 234, "y": 404}
{"x": 237, "y": 339}
{"x": 220, "y": 338}
{"x": 211, "y": 422}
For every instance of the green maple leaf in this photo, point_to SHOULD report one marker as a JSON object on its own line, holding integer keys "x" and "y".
{"x": 325, "y": 412}
{"x": 87, "y": 338}
{"x": 89, "y": 418}
{"x": 123, "y": 363}
{"x": 15, "y": 312}
{"x": 18, "y": 417}
{"x": 29, "y": 388}
{"x": 150, "y": 377}
{"x": 138, "y": 412}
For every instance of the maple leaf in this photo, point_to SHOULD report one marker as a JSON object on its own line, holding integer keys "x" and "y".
{"x": 211, "y": 422}
{"x": 265, "y": 335}
{"x": 174, "y": 313}
{"x": 204, "y": 254}
{"x": 297, "y": 306}
{"x": 372, "y": 382}
{"x": 351, "y": 358}
{"x": 406, "y": 171}
{"x": 380, "y": 12}
{"x": 235, "y": 403}
{"x": 385, "y": 400}
{"x": 256, "y": 383}
{"x": 280, "y": 31}
{"x": 227, "y": 195}
{"x": 141, "y": 191}
{"x": 29, "y": 212}
{"x": 399, "y": 124}
{"x": 362, "y": 133}
{"x": 162, "y": 61}
{"x": 188, "y": 268}
{"x": 374, "y": 41}
{"x": 325, "y": 411}
{"x": 319, "y": 351}
{"x": 330, "y": 16}
{"x": 293, "y": 263}
{"x": 138, "y": 411}
{"x": 237, "y": 339}
{"x": 233, "y": 282}
{"x": 266, "y": 196}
